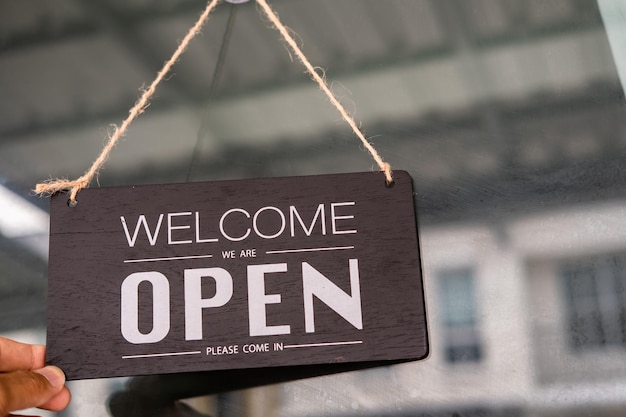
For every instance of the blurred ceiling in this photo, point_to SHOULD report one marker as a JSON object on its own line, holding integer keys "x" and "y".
{"x": 475, "y": 97}
{"x": 70, "y": 68}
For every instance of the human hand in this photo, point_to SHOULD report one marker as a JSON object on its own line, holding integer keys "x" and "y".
{"x": 26, "y": 383}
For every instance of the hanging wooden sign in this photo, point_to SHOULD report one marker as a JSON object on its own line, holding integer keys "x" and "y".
{"x": 235, "y": 274}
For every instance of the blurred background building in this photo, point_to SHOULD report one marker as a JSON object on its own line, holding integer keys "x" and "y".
{"x": 508, "y": 114}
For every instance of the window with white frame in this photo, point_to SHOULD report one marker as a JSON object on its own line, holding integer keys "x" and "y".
{"x": 595, "y": 293}
{"x": 461, "y": 335}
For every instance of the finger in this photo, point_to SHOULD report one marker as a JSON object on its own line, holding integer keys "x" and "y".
{"x": 26, "y": 389}
{"x": 58, "y": 402}
{"x": 15, "y": 356}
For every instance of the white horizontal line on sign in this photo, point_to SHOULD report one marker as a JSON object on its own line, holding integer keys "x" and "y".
{"x": 354, "y": 342}
{"x": 155, "y": 355}
{"x": 173, "y": 258}
{"x": 269, "y": 252}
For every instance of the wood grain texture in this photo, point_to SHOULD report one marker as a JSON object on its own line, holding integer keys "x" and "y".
{"x": 89, "y": 247}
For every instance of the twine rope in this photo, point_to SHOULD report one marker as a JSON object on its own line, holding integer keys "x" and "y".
{"x": 323, "y": 85}
{"x": 54, "y": 185}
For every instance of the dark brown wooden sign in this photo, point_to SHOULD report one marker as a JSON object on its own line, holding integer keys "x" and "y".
{"x": 235, "y": 274}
